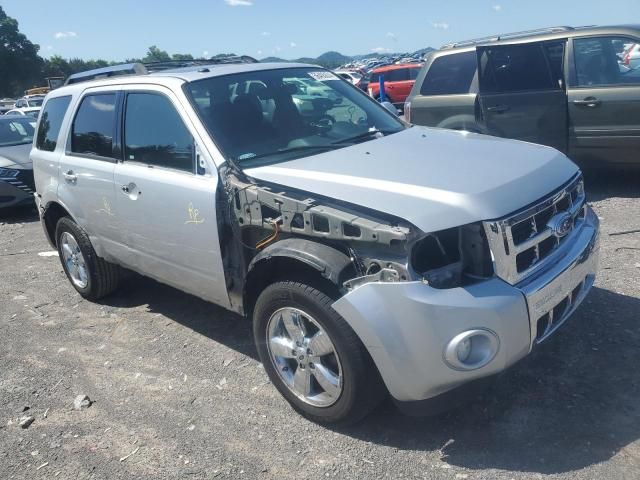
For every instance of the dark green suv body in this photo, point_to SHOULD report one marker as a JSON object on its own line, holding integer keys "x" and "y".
{"x": 565, "y": 87}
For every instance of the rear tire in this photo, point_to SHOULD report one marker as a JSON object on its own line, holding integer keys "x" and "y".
{"x": 347, "y": 364}
{"x": 90, "y": 275}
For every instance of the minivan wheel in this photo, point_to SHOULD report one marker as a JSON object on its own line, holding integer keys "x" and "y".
{"x": 90, "y": 275}
{"x": 312, "y": 356}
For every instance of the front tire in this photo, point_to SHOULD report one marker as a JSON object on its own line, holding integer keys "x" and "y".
{"x": 90, "y": 275}
{"x": 312, "y": 356}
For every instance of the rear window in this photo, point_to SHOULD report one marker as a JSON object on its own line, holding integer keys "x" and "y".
{"x": 450, "y": 75}
{"x": 94, "y": 125}
{"x": 514, "y": 68}
{"x": 50, "y": 123}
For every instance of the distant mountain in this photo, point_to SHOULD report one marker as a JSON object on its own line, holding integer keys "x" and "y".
{"x": 335, "y": 59}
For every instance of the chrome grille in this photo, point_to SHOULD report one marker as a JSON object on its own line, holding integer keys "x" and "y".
{"x": 522, "y": 241}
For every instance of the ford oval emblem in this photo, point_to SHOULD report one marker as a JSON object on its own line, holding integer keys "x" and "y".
{"x": 561, "y": 224}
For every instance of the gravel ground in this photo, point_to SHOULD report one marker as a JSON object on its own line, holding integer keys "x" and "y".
{"x": 178, "y": 391}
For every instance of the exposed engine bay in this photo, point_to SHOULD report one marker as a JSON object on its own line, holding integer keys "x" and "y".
{"x": 380, "y": 248}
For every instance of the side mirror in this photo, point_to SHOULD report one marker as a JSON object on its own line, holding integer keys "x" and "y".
{"x": 389, "y": 106}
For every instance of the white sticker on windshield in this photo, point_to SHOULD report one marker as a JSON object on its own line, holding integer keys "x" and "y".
{"x": 323, "y": 76}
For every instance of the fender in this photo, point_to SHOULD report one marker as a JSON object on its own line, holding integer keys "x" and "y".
{"x": 328, "y": 261}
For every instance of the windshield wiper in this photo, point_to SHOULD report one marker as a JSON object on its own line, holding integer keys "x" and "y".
{"x": 367, "y": 134}
{"x": 301, "y": 148}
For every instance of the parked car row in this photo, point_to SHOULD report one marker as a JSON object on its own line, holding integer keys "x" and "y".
{"x": 28, "y": 105}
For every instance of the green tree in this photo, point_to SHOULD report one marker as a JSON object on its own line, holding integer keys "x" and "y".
{"x": 181, "y": 56}
{"x": 19, "y": 60}
{"x": 154, "y": 54}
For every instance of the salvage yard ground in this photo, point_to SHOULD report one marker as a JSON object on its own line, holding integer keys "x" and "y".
{"x": 178, "y": 392}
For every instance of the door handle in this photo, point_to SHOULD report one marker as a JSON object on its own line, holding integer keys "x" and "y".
{"x": 70, "y": 177}
{"x": 498, "y": 108}
{"x": 131, "y": 190}
{"x": 125, "y": 188}
{"x": 590, "y": 102}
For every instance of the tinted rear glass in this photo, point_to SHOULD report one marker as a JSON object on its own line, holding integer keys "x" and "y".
{"x": 94, "y": 125}
{"x": 450, "y": 75}
{"x": 514, "y": 68}
{"x": 50, "y": 123}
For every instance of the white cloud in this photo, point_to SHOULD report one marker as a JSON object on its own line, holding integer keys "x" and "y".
{"x": 392, "y": 36}
{"x": 440, "y": 25}
{"x": 293, "y": 44}
{"x": 49, "y": 47}
{"x": 259, "y": 52}
{"x": 205, "y": 53}
{"x": 380, "y": 50}
{"x": 497, "y": 8}
{"x": 266, "y": 34}
{"x": 238, "y": 3}
{"x": 59, "y": 35}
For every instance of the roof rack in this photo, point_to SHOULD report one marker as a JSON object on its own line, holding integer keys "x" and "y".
{"x": 146, "y": 68}
{"x": 507, "y": 36}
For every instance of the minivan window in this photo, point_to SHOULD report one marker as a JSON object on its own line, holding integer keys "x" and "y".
{"x": 514, "y": 68}
{"x": 450, "y": 74}
{"x": 50, "y": 122}
{"x": 94, "y": 125}
{"x": 597, "y": 62}
{"x": 555, "y": 55}
{"x": 15, "y": 131}
{"x": 154, "y": 133}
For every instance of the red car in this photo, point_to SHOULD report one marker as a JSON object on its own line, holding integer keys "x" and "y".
{"x": 398, "y": 81}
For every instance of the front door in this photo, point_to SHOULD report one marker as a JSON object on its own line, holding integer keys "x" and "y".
{"x": 604, "y": 103}
{"x": 85, "y": 185}
{"x": 522, "y": 94}
{"x": 167, "y": 206}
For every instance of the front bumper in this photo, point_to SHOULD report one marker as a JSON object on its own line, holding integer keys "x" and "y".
{"x": 406, "y": 326}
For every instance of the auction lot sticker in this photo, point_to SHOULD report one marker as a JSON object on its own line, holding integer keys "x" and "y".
{"x": 323, "y": 76}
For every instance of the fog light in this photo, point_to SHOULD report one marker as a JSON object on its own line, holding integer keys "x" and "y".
{"x": 472, "y": 349}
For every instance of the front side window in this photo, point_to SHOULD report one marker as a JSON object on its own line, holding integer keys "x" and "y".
{"x": 50, "y": 123}
{"x": 450, "y": 74}
{"x": 34, "y": 102}
{"x": 296, "y": 112}
{"x": 94, "y": 125}
{"x": 600, "y": 61}
{"x": 514, "y": 68}
{"x": 15, "y": 131}
{"x": 154, "y": 133}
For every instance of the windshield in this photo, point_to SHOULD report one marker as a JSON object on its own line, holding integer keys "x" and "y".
{"x": 16, "y": 131}
{"x": 271, "y": 116}
{"x": 35, "y": 102}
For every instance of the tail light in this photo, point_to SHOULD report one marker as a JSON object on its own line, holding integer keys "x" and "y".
{"x": 407, "y": 111}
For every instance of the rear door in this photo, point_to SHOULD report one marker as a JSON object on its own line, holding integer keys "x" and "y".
{"x": 604, "y": 102}
{"x": 397, "y": 84}
{"x": 522, "y": 94}
{"x": 85, "y": 186}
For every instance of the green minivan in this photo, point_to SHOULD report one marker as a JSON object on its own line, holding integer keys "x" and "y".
{"x": 566, "y": 87}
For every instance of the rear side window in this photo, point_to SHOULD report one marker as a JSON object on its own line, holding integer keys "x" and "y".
{"x": 155, "y": 134}
{"x": 50, "y": 123}
{"x": 94, "y": 126}
{"x": 514, "y": 68}
{"x": 398, "y": 75}
{"x": 450, "y": 75}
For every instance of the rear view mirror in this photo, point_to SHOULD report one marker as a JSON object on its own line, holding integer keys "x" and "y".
{"x": 389, "y": 106}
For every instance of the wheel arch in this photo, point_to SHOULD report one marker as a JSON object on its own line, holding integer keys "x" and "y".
{"x": 294, "y": 258}
{"x": 52, "y": 213}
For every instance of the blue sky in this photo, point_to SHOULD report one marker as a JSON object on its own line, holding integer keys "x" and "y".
{"x": 117, "y": 29}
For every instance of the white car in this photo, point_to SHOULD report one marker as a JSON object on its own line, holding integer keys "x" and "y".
{"x": 30, "y": 111}
{"x": 350, "y": 76}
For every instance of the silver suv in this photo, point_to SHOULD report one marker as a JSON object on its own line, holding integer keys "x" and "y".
{"x": 371, "y": 256}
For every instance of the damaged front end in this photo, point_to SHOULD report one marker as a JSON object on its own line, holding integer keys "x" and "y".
{"x": 375, "y": 247}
